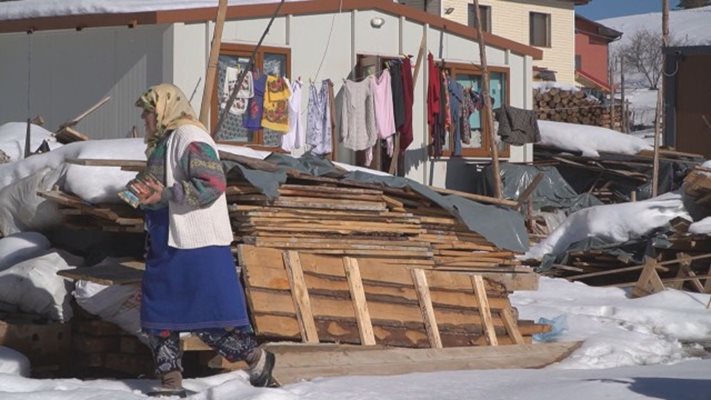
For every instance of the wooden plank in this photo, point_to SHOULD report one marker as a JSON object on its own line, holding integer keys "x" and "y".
{"x": 98, "y": 162}
{"x": 649, "y": 281}
{"x": 360, "y": 306}
{"x": 294, "y": 365}
{"x": 300, "y": 294}
{"x": 480, "y": 293}
{"x": 423, "y": 294}
{"x": 511, "y": 325}
{"x": 109, "y": 274}
{"x": 529, "y": 190}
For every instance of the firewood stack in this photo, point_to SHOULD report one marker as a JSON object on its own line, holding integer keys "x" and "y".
{"x": 574, "y": 106}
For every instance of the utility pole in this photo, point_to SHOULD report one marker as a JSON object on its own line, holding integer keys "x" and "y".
{"x": 660, "y": 101}
{"x": 211, "y": 74}
{"x": 488, "y": 116}
{"x": 625, "y": 123}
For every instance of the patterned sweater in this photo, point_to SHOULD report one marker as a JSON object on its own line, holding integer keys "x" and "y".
{"x": 201, "y": 164}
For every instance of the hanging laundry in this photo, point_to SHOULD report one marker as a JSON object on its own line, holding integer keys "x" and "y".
{"x": 468, "y": 107}
{"x": 517, "y": 126}
{"x": 332, "y": 111}
{"x": 252, "y": 119}
{"x": 357, "y": 120}
{"x": 246, "y": 91}
{"x": 276, "y": 104}
{"x": 292, "y": 139}
{"x": 405, "y": 128}
{"x": 456, "y": 94}
{"x": 318, "y": 116}
{"x": 396, "y": 86}
{"x": 435, "y": 109}
{"x": 383, "y": 103}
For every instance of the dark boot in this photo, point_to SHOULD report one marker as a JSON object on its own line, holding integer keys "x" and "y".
{"x": 260, "y": 372}
{"x": 171, "y": 384}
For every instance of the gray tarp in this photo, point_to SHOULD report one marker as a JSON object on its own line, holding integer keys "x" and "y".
{"x": 503, "y": 227}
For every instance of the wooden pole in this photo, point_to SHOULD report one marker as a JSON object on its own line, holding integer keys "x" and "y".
{"x": 28, "y": 140}
{"x": 625, "y": 123}
{"x": 211, "y": 73}
{"x": 660, "y": 101}
{"x": 612, "y": 96}
{"x": 488, "y": 113}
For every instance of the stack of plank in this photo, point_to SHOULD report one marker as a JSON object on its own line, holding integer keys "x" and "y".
{"x": 79, "y": 214}
{"x": 576, "y": 107}
{"x": 333, "y": 260}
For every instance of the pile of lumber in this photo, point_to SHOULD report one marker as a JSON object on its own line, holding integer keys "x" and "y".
{"x": 576, "y": 107}
{"x": 111, "y": 217}
{"x": 333, "y": 260}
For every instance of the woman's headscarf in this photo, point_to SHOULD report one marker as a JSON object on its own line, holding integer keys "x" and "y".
{"x": 172, "y": 110}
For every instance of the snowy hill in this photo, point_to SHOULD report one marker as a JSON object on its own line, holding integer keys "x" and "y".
{"x": 691, "y": 26}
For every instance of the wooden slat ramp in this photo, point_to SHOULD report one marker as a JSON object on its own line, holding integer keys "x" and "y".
{"x": 304, "y": 362}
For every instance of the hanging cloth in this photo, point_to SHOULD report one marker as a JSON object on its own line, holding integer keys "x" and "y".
{"x": 384, "y": 113}
{"x": 357, "y": 120}
{"x": 318, "y": 119}
{"x": 406, "y": 136}
{"x": 456, "y": 95}
{"x": 276, "y": 105}
{"x": 252, "y": 119}
{"x": 246, "y": 91}
{"x": 292, "y": 139}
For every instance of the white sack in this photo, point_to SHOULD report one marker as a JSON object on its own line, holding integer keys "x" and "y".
{"x": 21, "y": 209}
{"x": 13, "y": 362}
{"x": 20, "y": 247}
{"x": 35, "y": 287}
{"x": 12, "y": 139}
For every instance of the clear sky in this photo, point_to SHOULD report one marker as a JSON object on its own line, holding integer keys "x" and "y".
{"x": 601, "y": 9}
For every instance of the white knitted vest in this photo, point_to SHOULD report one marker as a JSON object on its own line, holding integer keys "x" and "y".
{"x": 192, "y": 227}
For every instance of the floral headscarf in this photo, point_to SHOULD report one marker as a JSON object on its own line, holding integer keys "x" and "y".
{"x": 172, "y": 110}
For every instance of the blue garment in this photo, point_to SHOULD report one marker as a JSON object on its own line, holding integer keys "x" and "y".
{"x": 252, "y": 119}
{"x": 188, "y": 289}
{"x": 456, "y": 99}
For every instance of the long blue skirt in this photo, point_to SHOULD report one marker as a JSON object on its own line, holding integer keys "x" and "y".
{"x": 188, "y": 289}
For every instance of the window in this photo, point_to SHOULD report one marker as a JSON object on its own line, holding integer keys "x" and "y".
{"x": 578, "y": 62}
{"x": 540, "y": 29}
{"x": 268, "y": 60}
{"x": 469, "y": 76}
{"x": 484, "y": 15}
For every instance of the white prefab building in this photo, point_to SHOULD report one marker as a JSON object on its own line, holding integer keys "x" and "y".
{"x": 82, "y": 51}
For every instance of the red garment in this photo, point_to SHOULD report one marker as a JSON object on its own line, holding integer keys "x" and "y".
{"x": 433, "y": 91}
{"x": 406, "y": 136}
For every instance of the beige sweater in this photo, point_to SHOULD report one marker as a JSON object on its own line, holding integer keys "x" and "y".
{"x": 192, "y": 227}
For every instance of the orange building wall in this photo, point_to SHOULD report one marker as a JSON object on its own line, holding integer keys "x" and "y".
{"x": 593, "y": 54}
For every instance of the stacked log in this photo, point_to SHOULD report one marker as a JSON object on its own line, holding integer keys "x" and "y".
{"x": 574, "y": 106}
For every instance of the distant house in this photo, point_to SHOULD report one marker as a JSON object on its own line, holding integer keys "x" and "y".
{"x": 548, "y": 25}
{"x": 592, "y": 42}
{"x": 75, "y": 59}
{"x": 687, "y": 89}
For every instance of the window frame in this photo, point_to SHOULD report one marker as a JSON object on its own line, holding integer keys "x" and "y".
{"x": 245, "y": 50}
{"x": 485, "y": 151}
{"x": 548, "y": 39}
{"x": 486, "y": 16}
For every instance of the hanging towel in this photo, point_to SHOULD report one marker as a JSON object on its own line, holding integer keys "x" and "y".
{"x": 276, "y": 105}
{"x": 292, "y": 139}
{"x": 246, "y": 91}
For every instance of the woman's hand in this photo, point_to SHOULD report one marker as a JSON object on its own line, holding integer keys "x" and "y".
{"x": 148, "y": 190}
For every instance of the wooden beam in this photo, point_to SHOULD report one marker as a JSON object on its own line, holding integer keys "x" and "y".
{"x": 480, "y": 292}
{"x": 488, "y": 110}
{"x": 529, "y": 190}
{"x": 300, "y": 296}
{"x": 511, "y": 325}
{"x": 211, "y": 74}
{"x": 649, "y": 281}
{"x": 360, "y": 306}
{"x": 423, "y": 295}
{"x": 477, "y": 197}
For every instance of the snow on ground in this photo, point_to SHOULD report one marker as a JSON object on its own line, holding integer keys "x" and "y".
{"x": 13, "y": 363}
{"x": 589, "y": 139}
{"x": 633, "y": 349}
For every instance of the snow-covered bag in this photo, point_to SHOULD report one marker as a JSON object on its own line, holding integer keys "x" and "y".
{"x": 589, "y": 140}
{"x": 13, "y": 362}
{"x": 34, "y": 286}
{"x": 20, "y": 247}
{"x": 13, "y": 136}
{"x": 21, "y": 209}
{"x": 120, "y": 304}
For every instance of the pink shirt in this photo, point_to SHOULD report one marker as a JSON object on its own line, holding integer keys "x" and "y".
{"x": 383, "y": 98}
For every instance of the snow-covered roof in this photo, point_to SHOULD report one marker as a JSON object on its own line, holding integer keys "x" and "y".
{"x": 37, "y": 15}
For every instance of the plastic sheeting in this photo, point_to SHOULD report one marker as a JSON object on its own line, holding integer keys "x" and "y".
{"x": 503, "y": 227}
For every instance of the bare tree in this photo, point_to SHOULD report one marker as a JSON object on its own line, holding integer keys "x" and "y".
{"x": 643, "y": 53}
